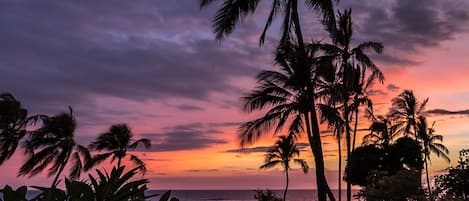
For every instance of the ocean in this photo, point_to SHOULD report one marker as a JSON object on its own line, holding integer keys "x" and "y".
{"x": 240, "y": 195}
{"x": 231, "y": 195}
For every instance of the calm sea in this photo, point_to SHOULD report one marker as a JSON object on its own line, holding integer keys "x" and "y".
{"x": 241, "y": 195}
{"x": 231, "y": 195}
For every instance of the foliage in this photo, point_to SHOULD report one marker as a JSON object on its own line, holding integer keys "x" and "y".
{"x": 14, "y": 195}
{"x": 115, "y": 186}
{"x": 13, "y": 121}
{"x": 404, "y": 154}
{"x": 402, "y": 186}
{"x": 266, "y": 195}
{"x": 454, "y": 185}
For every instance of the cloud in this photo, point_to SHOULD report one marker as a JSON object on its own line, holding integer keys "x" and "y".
{"x": 447, "y": 112}
{"x": 187, "y": 107}
{"x": 405, "y": 27}
{"x": 59, "y": 53}
{"x": 392, "y": 87}
{"x": 203, "y": 170}
{"x": 262, "y": 149}
{"x": 184, "y": 137}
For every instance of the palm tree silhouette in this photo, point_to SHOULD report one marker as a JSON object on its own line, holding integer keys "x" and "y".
{"x": 354, "y": 64}
{"x": 431, "y": 144}
{"x": 233, "y": 11}
{"x": 224, "y": 23}
{"x": 382, "y": 132}
{"x": 115, "y": 143}
{"x": 329, "y": 93}
{"x": 289, "y": 95}
{"x": 283, "y": 153}
{"x": 53, "y": 144}
{"x": 13, "y": 122}
{"x": 406, "y": 109}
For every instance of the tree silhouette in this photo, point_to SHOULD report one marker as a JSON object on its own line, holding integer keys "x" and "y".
{"x": 431, "y": 144}
{"x": 289, "y": 96}
{"x": 353, "y": 64}
{"x": 115, "y": 143}
{"x": 13, "y": 122}
{"x": 283, "y": 153}
{"x": 382, "y": 132}
{"x": 406, "y": 109}
{"x": 53, "y": 144}
{"x": 233, "y": 11}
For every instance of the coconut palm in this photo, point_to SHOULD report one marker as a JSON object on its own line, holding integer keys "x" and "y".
{"x": 406, "y": 109}
{"x": 289, "y": 96}
{"x": 115, "y": 143}
{"x": 52, "y": 145}
{"x": 354, "y": 65}
{"x": 431, "y": 143}
{"x": 233, "y": 11}
{"x": 382, "y": 132}
{"x": 284, "y": 152}
{"x": 13, "y": 121}
{"x": 329, "y": 93}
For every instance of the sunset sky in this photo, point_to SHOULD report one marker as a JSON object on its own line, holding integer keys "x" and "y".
{"x": 155, "y": 65}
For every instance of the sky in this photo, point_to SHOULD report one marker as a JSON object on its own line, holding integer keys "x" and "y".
{"x": 155, "y": 65}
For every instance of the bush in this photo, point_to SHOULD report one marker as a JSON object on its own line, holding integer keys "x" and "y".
{"x": 267, "y": 195}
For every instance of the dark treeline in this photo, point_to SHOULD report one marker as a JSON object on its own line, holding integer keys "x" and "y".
{"x": 48, "y": 142}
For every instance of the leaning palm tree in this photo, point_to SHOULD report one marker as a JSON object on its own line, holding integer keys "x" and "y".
{"x": 115, "y": 143}
{"x": 289, "y": 96}
{"x": 431, "y": 144}
{"x": 283, "y": 153}
{"x": 354, "y": 65}
{"x": 405, "y": 110}
{"x": 13, "y": 122}
{"x": 53, "y": 144}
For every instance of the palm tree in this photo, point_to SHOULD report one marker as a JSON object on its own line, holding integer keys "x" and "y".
{"x": 431, "y": 144}
{"x": 382, "y": 132}
{"x": 13, "y": 122}
{"x": 233, "y": 11}
{"x": 53, "y": 144}
{"x": 283, "y": 153}
{"x": 406, "y": 109}
{"x": 115, "y": 143}
{"x": 354, "y": 64}
{"x": 289, "y": 95}
{"x": 329, "y": 93}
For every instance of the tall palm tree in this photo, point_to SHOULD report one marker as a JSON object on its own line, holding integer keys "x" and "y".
{"x": 329, "y": 93}
{"x": 431, "y": 143}
{"x": 406, "y": 109}
{"x": 115, "y": 143}
{"x": 52, "y": 145}
{"x": 233, "y": 11}
{"x": 354, "y": 64}
{"x": 382, "y": 132}
{"x": 283, "y": 153}
{"x": 13, "y": 122}
{"x": 290, "y": 99}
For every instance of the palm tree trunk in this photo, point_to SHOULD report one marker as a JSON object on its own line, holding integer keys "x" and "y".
{"x": 340, "y": 164}
{"x": 312, "y": 126}
{"x": 356, "y": 125}
{"x": 286, "y": 186}
{"x": 428, "y": 179}
{"x": 119, "y": 162}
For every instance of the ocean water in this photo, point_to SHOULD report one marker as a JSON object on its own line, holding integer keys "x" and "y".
{"x": 230, "y": 195}
{"x": 241, "y": 195}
